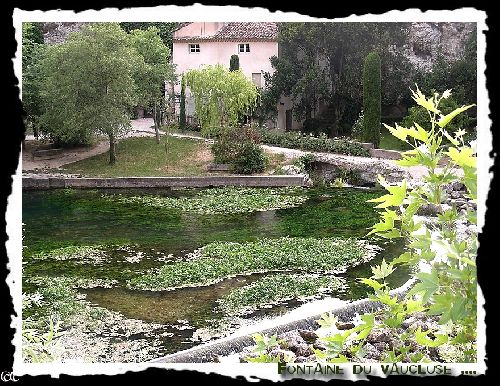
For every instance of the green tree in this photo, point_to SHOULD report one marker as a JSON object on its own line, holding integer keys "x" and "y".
{"x": 182, "y": 114}
{"x": 371, "y": 99}
{"x": 32, "y": 52}
{"x": 151, "y": 77}
{"x": 220, "y": 96}
{"x": 33, "y": 32}
{"x": 165, "y": 30}
{"x": 234, "y": 63}
{"x": 88, "y": 85}
{"x": 322, "y": 63}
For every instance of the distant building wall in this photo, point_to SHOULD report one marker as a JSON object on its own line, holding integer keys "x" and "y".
{"x": 254, "y": 62}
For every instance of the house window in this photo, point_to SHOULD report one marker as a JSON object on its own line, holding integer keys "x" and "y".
{"x": 244, "y": 47}
{"x": 257, "y": 79}
{"x": 194, "y": 48}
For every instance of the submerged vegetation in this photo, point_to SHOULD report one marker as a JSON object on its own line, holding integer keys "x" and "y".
{"x": 219, "y": 260}
{"x": 277, "y": 288}
{"x": 82, "y": 253}
{"x": 223, "y": 200}
{"x": 60, "y": 325}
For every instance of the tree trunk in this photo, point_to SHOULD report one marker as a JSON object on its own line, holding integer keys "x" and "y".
{"x": 112, "y": 149}
{"x": 157, "y": 123}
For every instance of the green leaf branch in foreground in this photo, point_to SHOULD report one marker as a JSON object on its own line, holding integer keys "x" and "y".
{"x": 446, "y": 285}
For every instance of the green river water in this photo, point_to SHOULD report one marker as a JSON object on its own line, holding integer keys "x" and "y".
{"x": 58, "y": 218}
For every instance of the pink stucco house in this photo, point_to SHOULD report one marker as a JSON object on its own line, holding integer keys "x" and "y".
{"x": 207, "y": 43}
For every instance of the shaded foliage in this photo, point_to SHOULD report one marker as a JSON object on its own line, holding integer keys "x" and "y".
{"x": 371, "y": 99}
{"x": 239, "y": 148}
{"x": 234, "y": 63}
{"x": 88, "y": 85}
{"x": 321, "y": 64}
{"x": 32, "y": 52}
{"x": 182, "y": 113}
{"x": 151, "y": 77}
{"x": 295, "y": 140}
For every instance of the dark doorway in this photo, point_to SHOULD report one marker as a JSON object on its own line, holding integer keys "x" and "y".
{"x": 288, "y": 120}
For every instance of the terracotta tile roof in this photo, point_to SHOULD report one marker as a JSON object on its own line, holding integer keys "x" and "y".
{"x": 240, "y": 31}
{"x": 180, "y": 25}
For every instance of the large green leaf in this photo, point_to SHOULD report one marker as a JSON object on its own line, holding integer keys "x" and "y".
{"x": 445, "y": 119}
{"x": 428, "y": 104}
{"x": 383, "y": 270}
{"x": 372, "y": 283}
{"x": 462, "y": 157}
{"x": 424, "y": 340}
{"x": 418, "y": 132}
{"x": 428, "y": 285}
{"x": 386, "y": 222}
{"x": 395, "y": 198}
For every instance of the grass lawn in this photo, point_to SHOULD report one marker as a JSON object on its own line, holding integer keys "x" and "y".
{"x": 390, "y": 142}
{"x": 142, "y": 156}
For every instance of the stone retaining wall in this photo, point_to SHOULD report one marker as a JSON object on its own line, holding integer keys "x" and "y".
{"x": 42, "y": 182}
{"x": 209, "y": 352}
{"x": 365, "y": 169}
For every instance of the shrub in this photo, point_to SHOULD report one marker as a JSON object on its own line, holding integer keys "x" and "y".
{"x": 250, "y": 159}
{"x": 371, "y": 99}
{"x": 239, "y": 148}
{"x": 314, "y": 126}
{"x": 296, "y": 140}
{"x": 357, "y": 127}
{"x": 306, "y": 162}
{"x": 463, "y": 121}
{"x": 234, "y": 63}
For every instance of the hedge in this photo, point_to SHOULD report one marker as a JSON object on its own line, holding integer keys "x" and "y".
{"x": 296, "y": 140}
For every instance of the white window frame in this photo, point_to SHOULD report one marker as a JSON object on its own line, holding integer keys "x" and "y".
{"x": 245, "y": 46}
{"x": 194, "y": 48}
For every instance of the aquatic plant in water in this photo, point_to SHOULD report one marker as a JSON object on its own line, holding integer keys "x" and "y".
{"x": 277, "y": 288}
{"x": 82, "y": 253}
{"x": 223, "y": 200}
{"x": 219, "y": 260}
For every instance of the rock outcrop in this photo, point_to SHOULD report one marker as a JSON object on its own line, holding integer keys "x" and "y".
{"x": 427, "y": 41}
{"x": 58, "y": 32}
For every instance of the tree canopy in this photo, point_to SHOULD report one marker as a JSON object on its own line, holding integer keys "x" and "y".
{"x": 165, "y": 30}
{"x": 151, "y": 77}
{"x": 322, "y": 62}
{"x": 33, "y": 48}
{"x": 88, "y": 85}
{"x": 220, "y": 95}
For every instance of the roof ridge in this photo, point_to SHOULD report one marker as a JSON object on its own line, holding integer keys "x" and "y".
{"x": 240, "y": 30}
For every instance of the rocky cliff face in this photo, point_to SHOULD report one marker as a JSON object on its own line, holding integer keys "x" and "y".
{"x": 57, "y": 32}
{"x": 429, "y": 40}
